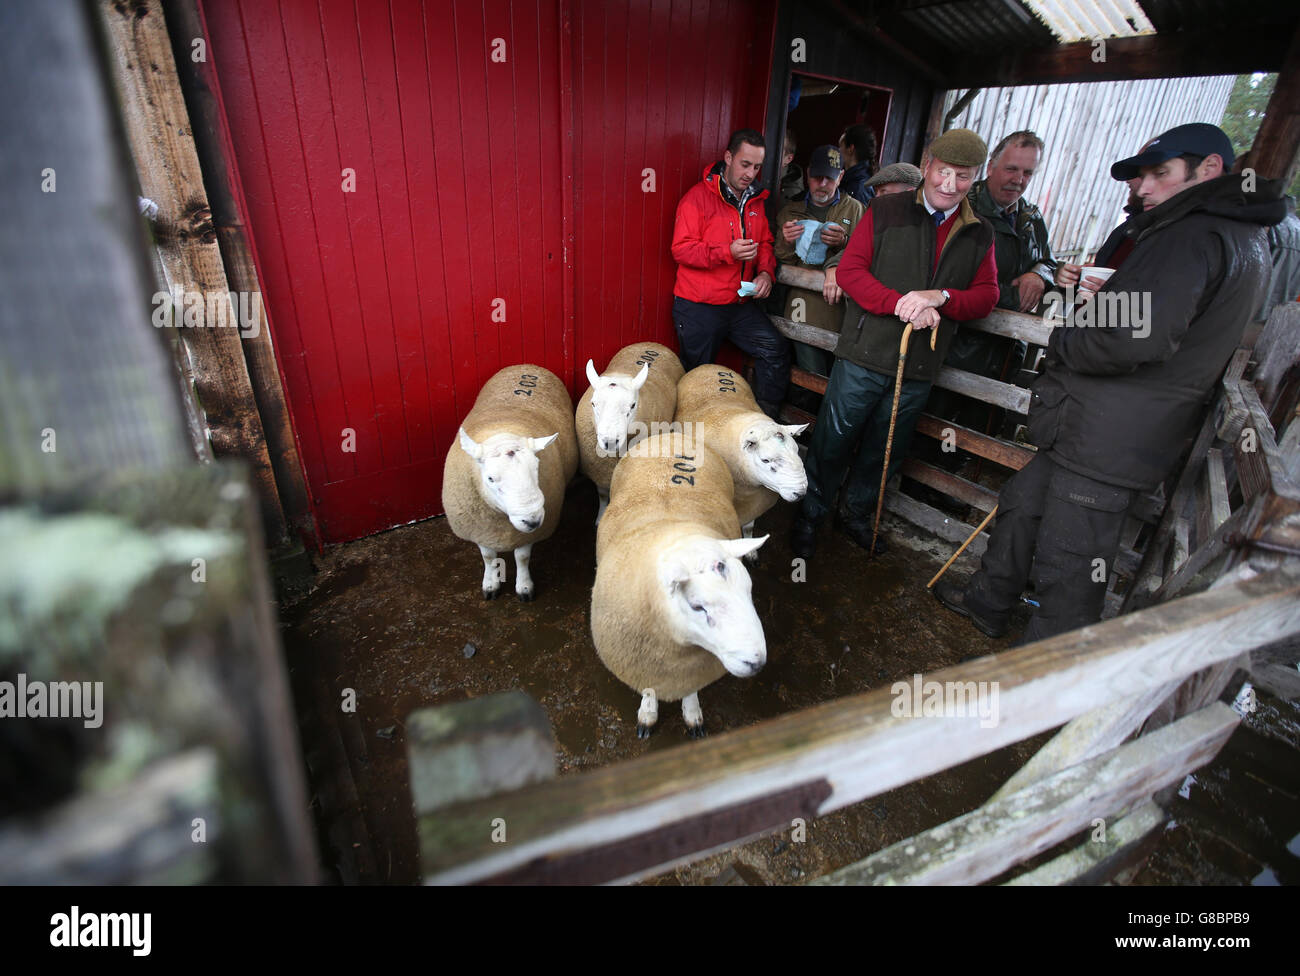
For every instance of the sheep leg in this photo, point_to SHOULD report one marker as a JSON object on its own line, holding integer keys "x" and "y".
{"x": 603, "y": 495}
{"x": 523, "y": 579}
{"x": 494, "y": 572}
{"x": 747, "y": 530}
{"x": 693, "y": 715}
{"x": 647, "y": 714}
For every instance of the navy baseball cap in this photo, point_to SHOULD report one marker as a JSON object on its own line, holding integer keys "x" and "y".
{"x": 826, "y": 161}
{"x": 1195, "y": 139}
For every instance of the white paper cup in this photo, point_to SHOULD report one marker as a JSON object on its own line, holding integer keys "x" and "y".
{"x": 1092, "y": 271}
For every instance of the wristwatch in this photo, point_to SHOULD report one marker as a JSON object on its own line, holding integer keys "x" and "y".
{"x": 946, "y": 296}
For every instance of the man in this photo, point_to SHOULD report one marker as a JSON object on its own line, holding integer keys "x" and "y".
{"x": 721, "y": 239}
{"x": 858, "y": 147}
{"x": 792, "y": 187}
{"x": 895, "y": 178}
{"x": 825, "y": 204}
{"x": 1119, "y": 402}
{"x": 1025, "y": 269}
{"x": 924, "y": 258}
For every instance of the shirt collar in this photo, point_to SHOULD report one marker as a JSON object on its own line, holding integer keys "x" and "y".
{"x": 930, "y": 209}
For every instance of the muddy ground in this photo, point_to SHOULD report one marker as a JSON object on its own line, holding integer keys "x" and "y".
{"x": 399, "y": 618}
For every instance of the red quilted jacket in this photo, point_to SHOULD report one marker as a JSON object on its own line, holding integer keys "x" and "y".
{"x": 702, "y": 235}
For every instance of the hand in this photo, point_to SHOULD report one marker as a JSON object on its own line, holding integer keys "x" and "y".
{"x": 833, "y": 235}
{"x": 1068, "y": 274}
{"x": 1087, "y": 289}
{"x": 762, "y": 284}
{"x": 928, "y": 319}
{"x": 909, "y": 307}
{"x": 1031, "y": 287}
{"x": 791, "y": 230}
{"x": 744, "y": 249}
{"x": 831, "y": 291}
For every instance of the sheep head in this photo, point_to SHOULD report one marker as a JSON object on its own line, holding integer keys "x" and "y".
{"x": 706, "y": 593}
{"x": 613, "y": 406}
{"x": 771, "y": 457}
{"x": 507, "y": 476}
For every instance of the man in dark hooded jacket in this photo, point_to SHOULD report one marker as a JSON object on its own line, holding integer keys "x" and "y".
{"x": 1128, "y": 377}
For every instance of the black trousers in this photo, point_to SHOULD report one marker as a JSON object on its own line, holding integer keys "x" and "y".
{"x": 701, "y": 329}
{"x": 1064, "y": 529}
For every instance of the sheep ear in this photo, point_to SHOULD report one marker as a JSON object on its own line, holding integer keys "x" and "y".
{"x": 672, "y": 573}
{"x": 736, "y": 548}
{"x": 469, "y": 446}
{"x": 536, "y": 444}
{"x": 794, "y": 430}
{"x": 640, "y": 378}
{"x": 592, "y": 376}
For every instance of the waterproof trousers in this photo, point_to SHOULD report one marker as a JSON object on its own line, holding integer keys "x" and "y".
{"x": 702, "y": 327}
{"x": 1064, "y": 529}
{"x": 857, "y": 406}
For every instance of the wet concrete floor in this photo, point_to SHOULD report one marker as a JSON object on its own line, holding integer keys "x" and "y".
{"x": 399, "y": 619}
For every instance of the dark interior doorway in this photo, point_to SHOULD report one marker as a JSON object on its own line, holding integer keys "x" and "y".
{"x": 827, "y": 106}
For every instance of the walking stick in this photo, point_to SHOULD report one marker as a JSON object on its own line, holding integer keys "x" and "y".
{"x": 978, "y": 529}
{"x": 893, "y": 419}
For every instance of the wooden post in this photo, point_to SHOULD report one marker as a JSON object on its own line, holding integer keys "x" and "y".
{"x": 1275, "y": 153}
{"x": 158, "y": 127}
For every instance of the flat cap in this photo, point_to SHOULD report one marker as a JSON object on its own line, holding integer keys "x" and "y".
{"x": 960, "y": 147}
{"x": 897, "y": 173}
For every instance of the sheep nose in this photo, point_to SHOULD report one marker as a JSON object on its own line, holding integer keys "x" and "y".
{"x": 532, "y": 524}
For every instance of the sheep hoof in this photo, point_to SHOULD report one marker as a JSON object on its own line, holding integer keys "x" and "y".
{"x": 696, "y": 731}
{"x": 491, "y": 594}
{"x": 526, "y": 596}
{"x": 643, "y": 731}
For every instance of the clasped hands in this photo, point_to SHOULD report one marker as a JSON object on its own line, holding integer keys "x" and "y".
{"x": 920, "y": 308}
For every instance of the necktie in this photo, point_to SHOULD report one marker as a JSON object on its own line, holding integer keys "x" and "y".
{"x": 938, "y": 217}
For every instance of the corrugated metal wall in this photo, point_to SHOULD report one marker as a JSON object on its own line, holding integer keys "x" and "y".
{"x": 497, "y": 215}
{"x": 1086, "y": 128}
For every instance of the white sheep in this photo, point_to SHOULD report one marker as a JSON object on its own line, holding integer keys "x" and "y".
{"x": 671, "y": 609}
{"x": 636, "y": 394}
{"x": 500, "y": 489}
{"x": 761, "y": 454}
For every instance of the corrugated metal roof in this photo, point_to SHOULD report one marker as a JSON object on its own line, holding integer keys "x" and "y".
{"x": 1080, "y": 20}
{"x": 1086, "y": 127}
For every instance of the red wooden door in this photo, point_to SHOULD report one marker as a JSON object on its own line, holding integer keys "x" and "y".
{"x": 416, "y": 175}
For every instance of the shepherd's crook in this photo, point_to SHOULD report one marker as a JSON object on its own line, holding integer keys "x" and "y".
{"x": 893, "y": 419}
{"x": 978, "y": 529}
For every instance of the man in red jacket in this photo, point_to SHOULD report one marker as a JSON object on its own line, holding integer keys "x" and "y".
{"x": 723, "y": 249}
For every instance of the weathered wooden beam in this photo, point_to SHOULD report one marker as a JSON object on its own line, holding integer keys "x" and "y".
{"x": 1276, "y": 351}
{"x": 1002, "y": 322}
{"x": 808, "y": 381}
{"x": 1005, "y": 453}
{"x": 1096, "y": 861}
{"x": 1275, "y": 153}
{"x": 159, "y": 130}
{"x": 472, "y": 749}
{"x": 1184, "y": 54}
{"x": 1005, "y": 832}
{"x": 950, "y": 484}
{"x": 624, "y": 821}
{"x": 935, "y": 522}
{"x": 86, "y": 385}
{"x": 802, "y": 332}
{"x": 1005, "y": 395}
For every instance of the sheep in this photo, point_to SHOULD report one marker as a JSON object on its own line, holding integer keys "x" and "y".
{"x": 619, "y": 403}
{"x": 500, "y": 488}
{"x": 761, "y": 454}
{"x": 671, "y": 609}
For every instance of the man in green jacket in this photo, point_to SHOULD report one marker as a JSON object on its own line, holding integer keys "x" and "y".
{"x": 926, "y": 259}
{"x": 839, "y": 213}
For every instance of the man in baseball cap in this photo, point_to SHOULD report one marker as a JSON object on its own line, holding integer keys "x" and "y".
{"x": 1119, "y": 402}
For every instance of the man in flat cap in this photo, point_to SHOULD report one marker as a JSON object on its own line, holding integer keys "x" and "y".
{"x": 924, "y": 258}
{"x": 1121, "y": 400}
{"x": 895, "y": 178}
{"x": 837, "y": 215}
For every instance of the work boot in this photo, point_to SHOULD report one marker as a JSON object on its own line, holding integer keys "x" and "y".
{"x": 860, "y": 533}
{"x": 803, "y": 537}
{"x": 953, "y": 596}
